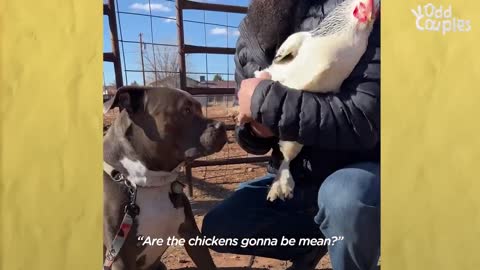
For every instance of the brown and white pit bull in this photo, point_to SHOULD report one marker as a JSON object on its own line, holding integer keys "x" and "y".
{"x": 159, "y": 129}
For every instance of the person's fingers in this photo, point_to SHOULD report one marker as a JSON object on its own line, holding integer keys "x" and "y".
{"x": 243, "y": 119}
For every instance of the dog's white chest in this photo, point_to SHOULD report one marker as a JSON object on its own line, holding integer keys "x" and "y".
{"x": 157, "y": 219}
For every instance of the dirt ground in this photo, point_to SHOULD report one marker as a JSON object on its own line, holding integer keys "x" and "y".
{"x": 210, "y": 186}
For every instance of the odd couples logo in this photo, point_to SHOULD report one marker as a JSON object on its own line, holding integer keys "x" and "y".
{"x": 439, "y": 19}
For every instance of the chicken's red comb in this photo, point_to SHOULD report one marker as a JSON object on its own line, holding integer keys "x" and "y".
{"x": 369, "y": 6}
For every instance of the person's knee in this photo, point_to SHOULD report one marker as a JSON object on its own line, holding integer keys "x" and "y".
{"x": 349, "y": 186}
{"x": 347, "y": 194}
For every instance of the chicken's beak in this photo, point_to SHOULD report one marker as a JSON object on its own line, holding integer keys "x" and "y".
{"x": 375, "y": 11}
{"x": 372, "y": 14}
{"x": 371, "y": 10}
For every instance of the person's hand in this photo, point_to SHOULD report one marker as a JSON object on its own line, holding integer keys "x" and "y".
{"x": 247, "y": 87}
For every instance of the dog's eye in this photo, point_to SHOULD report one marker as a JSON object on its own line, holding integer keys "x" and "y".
{"x": 188, "y": 110}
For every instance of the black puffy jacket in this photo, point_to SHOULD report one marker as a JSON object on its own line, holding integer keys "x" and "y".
{"x": 335, "y": 129}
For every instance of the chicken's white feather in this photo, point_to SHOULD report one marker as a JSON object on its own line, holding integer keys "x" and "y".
{"x": 336, "y": 20}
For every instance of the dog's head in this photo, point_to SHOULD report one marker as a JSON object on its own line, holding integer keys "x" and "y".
{"x": 166, "y": 125}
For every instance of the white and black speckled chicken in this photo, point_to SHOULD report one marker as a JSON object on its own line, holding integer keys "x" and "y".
{"x": 319, "y": 61}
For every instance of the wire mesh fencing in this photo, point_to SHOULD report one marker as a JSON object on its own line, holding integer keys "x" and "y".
{"x": 183, "y": 44}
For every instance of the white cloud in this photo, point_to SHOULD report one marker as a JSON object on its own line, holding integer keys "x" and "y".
{"x": 154, "y": 7}
{"x": 170, "y": 19}
{"x": 218, "y": 31}
{"x": 223, "y": 31}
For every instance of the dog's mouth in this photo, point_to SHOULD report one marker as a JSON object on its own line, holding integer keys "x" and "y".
{"x": 198, "y": 152}
{"x": 194, "y": 153}
{"x": 211, "y": 141}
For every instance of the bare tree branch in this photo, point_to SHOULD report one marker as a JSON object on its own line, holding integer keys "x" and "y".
{"x": 162, "y": 61}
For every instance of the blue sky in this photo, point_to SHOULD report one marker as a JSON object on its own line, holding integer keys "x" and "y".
{"x": 220, "y": 31}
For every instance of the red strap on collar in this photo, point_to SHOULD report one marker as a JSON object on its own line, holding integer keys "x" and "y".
{"x": 118, "y": 241}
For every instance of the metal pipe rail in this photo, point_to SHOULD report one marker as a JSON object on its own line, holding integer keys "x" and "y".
{"x": 186, "y": 49}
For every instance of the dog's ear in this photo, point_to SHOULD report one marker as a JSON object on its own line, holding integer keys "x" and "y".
{"x": 130, "y": 98}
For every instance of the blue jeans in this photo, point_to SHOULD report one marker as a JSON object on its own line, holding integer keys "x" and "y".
{"x": 347, "y": 204}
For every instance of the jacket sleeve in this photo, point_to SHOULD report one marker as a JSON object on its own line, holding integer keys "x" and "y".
{"x": 347, "y": 120}
{"x": 249, "y": 58}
